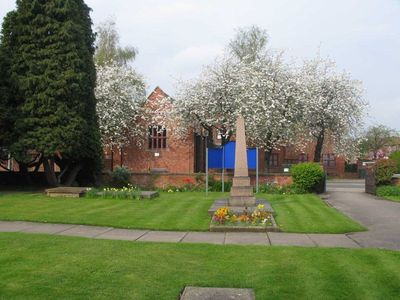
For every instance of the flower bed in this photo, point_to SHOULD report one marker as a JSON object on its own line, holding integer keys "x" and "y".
{"x": 258, "y": 220}
{"x": 128, "y": 192}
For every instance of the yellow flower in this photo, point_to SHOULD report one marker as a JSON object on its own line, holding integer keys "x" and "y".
{"x": 260, "y": 206}
{"x": 222, "y": 212}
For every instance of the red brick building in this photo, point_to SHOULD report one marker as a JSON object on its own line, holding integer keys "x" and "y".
{"x": 165, "y": 152}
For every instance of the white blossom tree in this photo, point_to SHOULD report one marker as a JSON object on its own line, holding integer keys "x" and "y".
{"x": 120, "y": 94}
{"x": 282, "y": 104}
{"x": 333, "y": 109}
{"x": 120, "y": 91}
{"x": 211, "y": 102}
{"x": 273, "y": 93}
{"x": 259, "y": 86}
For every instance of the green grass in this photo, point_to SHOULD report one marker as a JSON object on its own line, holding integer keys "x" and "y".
{"x": 392, "y": 198}
{"x": 308, "y": 213}
{"x": 172, "y": 211}
{"x": 55, "y": 267}
{"x": 389, "y": 192}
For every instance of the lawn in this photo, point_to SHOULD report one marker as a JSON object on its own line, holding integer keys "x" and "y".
{"x": 392, "y": 198}
{"x": 307, "y": 213}
{"x": 172, "y": 211}
{"x": 55, "y": 267}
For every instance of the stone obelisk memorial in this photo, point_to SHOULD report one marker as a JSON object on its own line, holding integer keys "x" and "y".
{"x": 241, "y": 191}
{"x": 241, "y": 197}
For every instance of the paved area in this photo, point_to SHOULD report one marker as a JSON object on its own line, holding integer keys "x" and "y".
{"x": 381, "y": 217}
{"x": 219, "y": 238}
{"x": 346, "y": 185}
{"x": 210, "y": 293}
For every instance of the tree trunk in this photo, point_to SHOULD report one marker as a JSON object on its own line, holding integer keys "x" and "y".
{"x": 210, "y": 139}
{"x": 38, "y": 164}
{"x": 63, "y": 171}
{"x": 50, "y": 174}
{"x": 23, "y": 170}
{"x": 318, "y": 147}
{"x": 72, "y": 174}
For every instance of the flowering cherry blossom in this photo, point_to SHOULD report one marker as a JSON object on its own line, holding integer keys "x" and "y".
{"x": 121, "y": 95}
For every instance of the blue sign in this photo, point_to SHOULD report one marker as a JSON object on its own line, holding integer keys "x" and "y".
{"x": 224, "y": 157}
{"x": 215, "y": 158}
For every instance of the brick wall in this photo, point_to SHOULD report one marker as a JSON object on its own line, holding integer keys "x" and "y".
{"x": 149, "y": 180}
{"x": 178, "y": 157}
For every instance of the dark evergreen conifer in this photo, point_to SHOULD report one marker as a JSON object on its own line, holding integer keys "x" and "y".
{"x": 52, "y": 78}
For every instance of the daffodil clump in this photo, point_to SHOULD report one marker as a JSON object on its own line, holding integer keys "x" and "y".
{"x": 127, "y": 192}
{"x": 260, "y": 216}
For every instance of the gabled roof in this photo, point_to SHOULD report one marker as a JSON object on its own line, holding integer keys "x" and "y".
{"x": 157, "y": 93}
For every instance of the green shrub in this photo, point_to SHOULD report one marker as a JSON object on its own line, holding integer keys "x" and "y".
{"x": 120, "y": 177}
{"x": 384, "y": 170}
{"x": 307, "y": 176}
{"x": 388, "y": 190}
{"x": 272, "y": 188}
{"x": 217, "y": 186}
{"x": 396, "y": 156}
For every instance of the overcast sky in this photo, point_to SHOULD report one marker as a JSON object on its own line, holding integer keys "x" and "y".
{"x": 176, "y": 38}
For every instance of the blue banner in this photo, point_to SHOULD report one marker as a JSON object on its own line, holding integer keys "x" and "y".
{"x": 215, "y": 158}
{"x": 224, "y": 157}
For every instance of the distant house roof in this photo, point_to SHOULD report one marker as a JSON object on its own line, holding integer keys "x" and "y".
{"x": 157, "y": 93}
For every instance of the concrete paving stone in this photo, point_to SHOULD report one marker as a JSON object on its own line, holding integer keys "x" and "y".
{"x": 162, "y": 236}
{"x": 204, "y": 237}
{"x": 85, "y": 231}
{"x": 246, "y": 238}
{"x": 212, "y": 293}
{"x": 377, "y": 239}
{"x": 290, "y": 239}
{"x": 47, "y": 228}
{"x": 122, "y": 234}
{"x": 149, "y": 194}
{"x": 14, "y": 226}
{"x": 333, "y": 240}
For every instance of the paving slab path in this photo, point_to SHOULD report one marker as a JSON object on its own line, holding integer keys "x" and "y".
{"x": 220, "y": 238}
{"x": 381, "y": 217}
